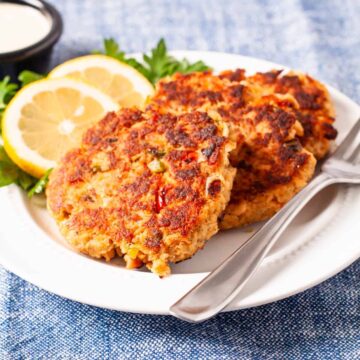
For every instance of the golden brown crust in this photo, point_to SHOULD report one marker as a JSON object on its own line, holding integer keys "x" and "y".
{"x": 145, "y": 185}
{"x": 182, "y": 92}
{"x": 265, "y": 181}
{"x": 265, "y": 127}
{"x": 315, "y": 111}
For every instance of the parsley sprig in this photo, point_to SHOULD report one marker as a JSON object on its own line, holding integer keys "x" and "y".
{"x": 26, "y": 77}
{"x": 157, "y": 64}
{"x": 10, "y": 173}
{"x": 7, "y": 92}
{"x": 40, "y": 184}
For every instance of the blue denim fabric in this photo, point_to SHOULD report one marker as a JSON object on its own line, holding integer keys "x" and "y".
{"x": 320, "y": 37}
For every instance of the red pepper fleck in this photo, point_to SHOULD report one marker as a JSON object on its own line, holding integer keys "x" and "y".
{"x": 160, "y": 199}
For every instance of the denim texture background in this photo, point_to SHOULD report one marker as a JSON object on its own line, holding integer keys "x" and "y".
{"x": 320, "y": 37}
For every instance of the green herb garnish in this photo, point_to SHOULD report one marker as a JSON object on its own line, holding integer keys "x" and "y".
{"x": 26, "y": 77}
{"x": 7, "y": 92}
{"x": 161, "y": 64}
{"x": 10, "y": 173}
{"x": 40, "y": 185}
{"x": 156, "y": 65}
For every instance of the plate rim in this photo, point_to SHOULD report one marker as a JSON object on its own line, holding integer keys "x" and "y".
{"x": 200, "y": 275}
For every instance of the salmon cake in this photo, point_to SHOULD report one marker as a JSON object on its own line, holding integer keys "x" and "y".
{"x": 146, "y": 186}
{"x": 272, "y": 165}
{"x": 314, "y": 108}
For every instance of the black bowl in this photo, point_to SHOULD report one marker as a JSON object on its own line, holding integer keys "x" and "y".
{"x": 34, "y": 57}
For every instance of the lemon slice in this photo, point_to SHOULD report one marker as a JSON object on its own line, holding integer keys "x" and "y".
{"x": 123, "y": 83}
{"x": 47, "y": 118}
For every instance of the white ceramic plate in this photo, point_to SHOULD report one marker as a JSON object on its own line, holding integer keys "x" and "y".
{"x": 323, "y": 240}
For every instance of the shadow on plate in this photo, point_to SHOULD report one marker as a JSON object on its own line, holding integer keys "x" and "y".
{"x": 312, "y": 219}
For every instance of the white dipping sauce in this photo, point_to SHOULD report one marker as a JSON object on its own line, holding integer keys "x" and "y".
{"x": 21, "y": 26}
